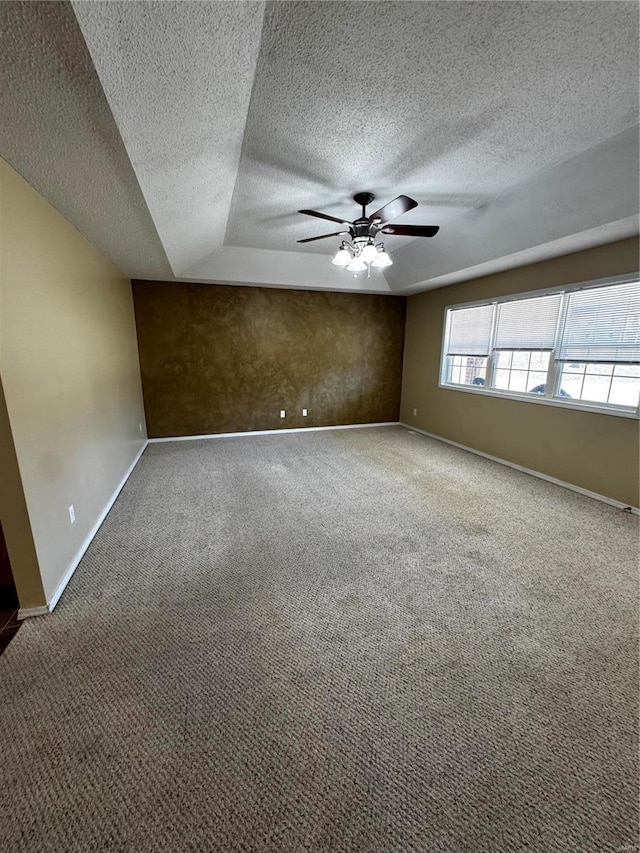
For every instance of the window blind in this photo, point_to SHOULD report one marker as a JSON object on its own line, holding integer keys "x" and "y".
{"x": 528, "y": 324}
{"x": 602, "y": 324}
{"x": 470, "y": 331}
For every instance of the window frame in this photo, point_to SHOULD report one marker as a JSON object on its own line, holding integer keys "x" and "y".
{"x": 555, "y": 366}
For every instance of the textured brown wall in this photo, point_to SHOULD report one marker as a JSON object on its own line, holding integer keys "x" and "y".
{"x": 227, "y": 359}
{"x": 595, "y": 451}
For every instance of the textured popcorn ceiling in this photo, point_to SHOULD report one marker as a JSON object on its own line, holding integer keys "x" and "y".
{"x": 451, "y": 103}
{"x": 178, "y": 77}
{"x": 193, "y": 131}
{"x": 57, "y": 130}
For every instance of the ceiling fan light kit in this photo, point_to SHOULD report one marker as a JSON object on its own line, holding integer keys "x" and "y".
{"x": 362, "y": 252}
{"x": 342, "y": 257}
{"x": 381, "y": 259}
{"x": 356, "y": 265}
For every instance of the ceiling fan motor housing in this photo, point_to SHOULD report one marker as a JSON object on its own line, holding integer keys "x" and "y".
{"x": 361, "y": 229}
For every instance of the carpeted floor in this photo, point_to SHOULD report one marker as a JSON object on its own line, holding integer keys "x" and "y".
{"x": 361, "y": 640}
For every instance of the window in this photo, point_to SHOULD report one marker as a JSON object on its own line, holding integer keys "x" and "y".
{"x": 467, "y": 370}
{"x": 469, "y": 345}
{"x": 578, "y": 347}
{"x": 521, "y": 370}
{"x": 616, "y": 384}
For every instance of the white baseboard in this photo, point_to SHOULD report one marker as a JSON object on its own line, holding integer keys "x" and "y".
{"x": 538, "y": 474}
{"x": 26, "y": 612}
{"x": 268, "y": 432}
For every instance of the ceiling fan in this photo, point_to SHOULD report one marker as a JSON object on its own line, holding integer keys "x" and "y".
{"x": 361, "y": 252}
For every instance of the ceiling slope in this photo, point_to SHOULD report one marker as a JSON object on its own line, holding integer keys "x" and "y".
{"x": 275, "y": 268}
{"x": 591, "y": 199}
{"x": 451, "y": 103}
{"x": 57, "y": 131}
{"x": 178, "y": 78}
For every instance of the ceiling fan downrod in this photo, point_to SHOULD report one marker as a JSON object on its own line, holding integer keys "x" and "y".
{"x": 364, "y": 199}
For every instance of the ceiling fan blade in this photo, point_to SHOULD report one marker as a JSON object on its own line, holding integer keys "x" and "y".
{"x": 394, "y": 209}
{"x": 411, "y": 230}
{"x": 324, "y": 216}
{"x": 322, "y": 237}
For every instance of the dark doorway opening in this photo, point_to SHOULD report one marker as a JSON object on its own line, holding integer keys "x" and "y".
{"x": 8, "y": 598}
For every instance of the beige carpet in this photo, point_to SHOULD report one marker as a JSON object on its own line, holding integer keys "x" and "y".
{"x": 338, "y": 641}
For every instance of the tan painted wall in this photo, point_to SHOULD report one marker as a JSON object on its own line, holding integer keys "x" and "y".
{"x": 227, "y": 359}
{"x": 594, "y": 451}
{"x": 69, "y": 366}
{"x": 14, "y": 517}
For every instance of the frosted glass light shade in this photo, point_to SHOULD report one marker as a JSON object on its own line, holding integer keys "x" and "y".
{"x": 342, "y": 258}
{"x": 381, "y": 259}
{"x": 369, "y": 253}
{"x": 356, "y": 265}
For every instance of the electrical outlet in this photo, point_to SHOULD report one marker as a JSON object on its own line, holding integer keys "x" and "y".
{"x": 415, "y": 413}
{"x": 140, "y": 427}
{"x": 283, "y": 414}
{"x": 304, "y": 413}
{"x": 72, "y": 514}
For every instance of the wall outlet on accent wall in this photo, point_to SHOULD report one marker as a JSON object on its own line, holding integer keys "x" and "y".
{"x": 304, "y": 413}
{"x": 283, "y": 414}
{"x": 140, "y": 427}
{"x": 72, "y": 514}
{"x": 415, "y": 413}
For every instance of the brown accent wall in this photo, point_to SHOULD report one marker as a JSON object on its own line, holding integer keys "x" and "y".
{"x": 216, "y": 358}
{"x": 597, "y": 452}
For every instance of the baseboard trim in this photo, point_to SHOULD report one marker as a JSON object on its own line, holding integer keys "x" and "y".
{"x": 268, "y": 432}
{"x": 25, "y": 613}
{"x": 573, "y": 488}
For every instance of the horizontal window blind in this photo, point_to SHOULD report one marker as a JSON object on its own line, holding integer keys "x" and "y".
{"x": 528, "y": 324}
{"x": 602, "y": 324}
{"x": 470, "y": 331}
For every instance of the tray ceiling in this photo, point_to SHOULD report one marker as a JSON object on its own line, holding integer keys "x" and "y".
{"x": 181, "y": 137}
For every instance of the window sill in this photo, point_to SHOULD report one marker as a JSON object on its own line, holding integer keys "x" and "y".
{"x": 544, "y": 401}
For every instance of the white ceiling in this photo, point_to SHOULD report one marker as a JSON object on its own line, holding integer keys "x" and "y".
{"x": 178, "y": 78}
{"x": 57, "y": 131}
{"x": 199, "y": 128}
